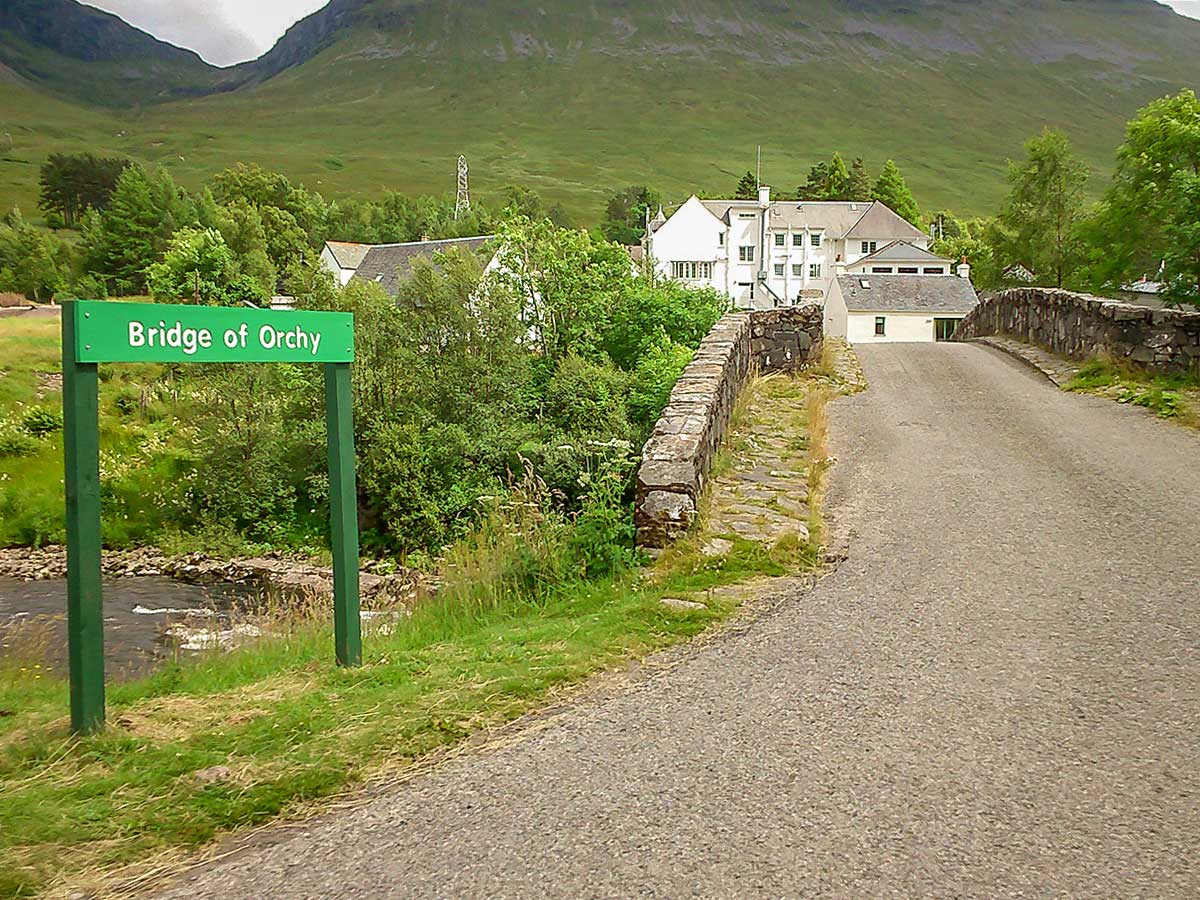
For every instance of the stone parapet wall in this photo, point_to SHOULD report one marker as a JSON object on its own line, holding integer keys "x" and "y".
{"x": 1080, "y": 326}
{"x": 679, "y": 454}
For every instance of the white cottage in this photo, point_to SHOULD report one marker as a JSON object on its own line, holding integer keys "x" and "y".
{"x": 765, "y": 253}
{"x": 870, "y": 309}
{"x": 342, "y": 259}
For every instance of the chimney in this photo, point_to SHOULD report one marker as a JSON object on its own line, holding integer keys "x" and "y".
{"x": 964, "y": 269}
{"x": 764, "y": 196}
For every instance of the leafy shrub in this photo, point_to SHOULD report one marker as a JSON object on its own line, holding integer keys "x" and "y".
{"x": 587, "y": 398}
{"x": 653, "y": 378}
{"x": 16, "y": 441}
{"x": 602, "y": 536}
{"x": 40, "y": 421}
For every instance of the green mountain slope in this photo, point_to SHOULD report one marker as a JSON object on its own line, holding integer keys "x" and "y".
{"x": 94, "y": 56}
{"x": 577, "y": 98}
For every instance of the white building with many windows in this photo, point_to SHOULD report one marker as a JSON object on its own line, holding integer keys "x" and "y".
{"x": 765, "y": 253}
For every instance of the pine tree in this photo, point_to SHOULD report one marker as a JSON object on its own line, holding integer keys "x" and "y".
{"x": 859, "y": 187}
{"x": 892, "y": 191}
{"x": 837, "y": 183}
{"x": 817, "y": 186}
{"x": 747, "y": 187}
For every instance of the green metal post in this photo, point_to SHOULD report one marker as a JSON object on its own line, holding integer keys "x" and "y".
{"x": 85, "y": 603}
{"x": 343, "y": 504}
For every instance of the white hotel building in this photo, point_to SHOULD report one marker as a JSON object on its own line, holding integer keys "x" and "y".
{"x": 765, "y": 253}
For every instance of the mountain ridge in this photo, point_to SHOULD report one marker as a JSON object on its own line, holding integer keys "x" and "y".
{"x": 578, "y": 97}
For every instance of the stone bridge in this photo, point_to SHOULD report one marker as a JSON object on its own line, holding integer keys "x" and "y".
{"x": 1080, "y": 326}
{"x": 677, "y": 458}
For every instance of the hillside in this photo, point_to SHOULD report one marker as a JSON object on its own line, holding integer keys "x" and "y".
{"x": 94, "y": 56}
{"x": 575, "y": 99}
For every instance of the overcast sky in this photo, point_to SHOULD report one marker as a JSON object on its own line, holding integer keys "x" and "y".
{"x": 230, "y": 31}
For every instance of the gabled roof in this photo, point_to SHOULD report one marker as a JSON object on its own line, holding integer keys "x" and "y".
{"x": 837, "y": 218}
{"x": 902, "y": 251}
{"x": 907, "y": 293}
{"x": 834, "y": 217}
{"x": 386, "y": 264}
{"x": 881, "y": 222}
{"x": 348, "y": 254}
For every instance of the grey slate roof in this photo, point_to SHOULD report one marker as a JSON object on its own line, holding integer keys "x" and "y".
{"x": 902, "y": 251}
{"x": 881, "y": 222}
{"x": 908, "y": 293}
{"x": 386, "y": 264}
{"x": 838, "y": 219}
{"x": 349, "y": 255}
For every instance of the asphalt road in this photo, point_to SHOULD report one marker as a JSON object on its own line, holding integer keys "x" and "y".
{"x": 996, "y": 695}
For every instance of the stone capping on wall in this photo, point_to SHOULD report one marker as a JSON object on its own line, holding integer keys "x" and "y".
{"x": 1080, "y": 326}
{"x": 679, "y": 454}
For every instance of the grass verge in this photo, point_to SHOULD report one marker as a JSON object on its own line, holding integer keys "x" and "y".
{"x": 1174, "y": 397}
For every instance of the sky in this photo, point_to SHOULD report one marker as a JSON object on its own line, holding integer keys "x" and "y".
{"x": 225, "y": 32}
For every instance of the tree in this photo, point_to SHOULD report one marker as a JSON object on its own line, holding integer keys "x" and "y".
{"x": 837, "y": 184}
{"x": 747, "y": 187}
{"x": 1145, "y": 209}
{"x": 135, "y": 230}
{"x": 817, "y": 186}
{"x": 892, "y": 191}
{"x": 200, "y": 267}
{"x": 566, "y": 281}
{"x": 858, "y": 188}
{"x": 261, "y": 188}
{"x": 625, "y": 215}
{"x": 529, "y": 203}
{"x": 32, "y": 262}
{"x": 1040, "y": 219}
{"x": 1181, "y": 262}
{"x": 72, "y": 184}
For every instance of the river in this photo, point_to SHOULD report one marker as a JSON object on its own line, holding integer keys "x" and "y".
{"x": 138, "y": 613}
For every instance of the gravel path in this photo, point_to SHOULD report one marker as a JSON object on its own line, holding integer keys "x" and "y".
{"x": 996, "y": 695}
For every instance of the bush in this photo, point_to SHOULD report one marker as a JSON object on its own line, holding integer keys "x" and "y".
{"x": 40, "y": 421}
{"x": 587, "y": 398}
{"x": 16, "y": 441}
{"x": 602, "y": 539}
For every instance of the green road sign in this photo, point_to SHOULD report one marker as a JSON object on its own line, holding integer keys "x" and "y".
{"x": 149, "y": 332}
{"x": 95, "y": 332}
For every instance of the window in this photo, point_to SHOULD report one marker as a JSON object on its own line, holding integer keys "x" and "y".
{"x": 779, "y": 270}
{"x": 692, "y": 271}
{"x": 746, "y": 253}
{"x": 814, "y": 270}
{"x": 745, "y": 215}
{"x": 797, "y": 240}
{"x": 881, "y": 270}
{"x": 815, "y": 239}
{"x": 797, "y": 269}
{"x": 934, "y": 270}
{"x": 721, "y": 239}
{"x": 779, "y": 239}
{"x": 880, "y": 326}
{"x": 868, "y": 246}
{"x": 907, "y": 270}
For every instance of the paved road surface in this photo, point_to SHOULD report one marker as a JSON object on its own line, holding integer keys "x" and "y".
{"x": 997, "y": 695}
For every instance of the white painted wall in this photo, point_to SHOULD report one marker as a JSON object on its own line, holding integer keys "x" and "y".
{"x": 900, "y": 327}
{"x": 693, "y": 234}
{"x": 334, "y": 268}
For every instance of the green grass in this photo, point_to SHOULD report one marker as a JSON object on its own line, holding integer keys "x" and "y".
{"x": 1175, "y": 397}
{"x": 605, "y": 112}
